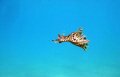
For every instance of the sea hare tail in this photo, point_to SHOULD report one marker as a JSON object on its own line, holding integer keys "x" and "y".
{"x": 55, "y": 41}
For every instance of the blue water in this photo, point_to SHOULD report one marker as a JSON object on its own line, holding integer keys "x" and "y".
{"x": 27, "y": 28}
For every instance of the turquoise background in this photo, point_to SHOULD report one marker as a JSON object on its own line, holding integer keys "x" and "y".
{"x": 27, "y": 28}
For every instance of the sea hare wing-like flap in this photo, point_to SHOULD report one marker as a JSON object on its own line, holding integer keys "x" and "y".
{"x": 84, "y": 46}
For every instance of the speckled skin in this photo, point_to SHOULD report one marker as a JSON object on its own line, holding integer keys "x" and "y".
{"x": 76, "y": 38}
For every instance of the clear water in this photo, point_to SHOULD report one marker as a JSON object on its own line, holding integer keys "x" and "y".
{"x": 27, "y": 28}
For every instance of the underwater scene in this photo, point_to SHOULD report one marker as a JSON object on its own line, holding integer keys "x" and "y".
{"x": 59, "y": 38}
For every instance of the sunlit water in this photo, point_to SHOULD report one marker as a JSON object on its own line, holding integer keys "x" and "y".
{"x": 27, "y": 28}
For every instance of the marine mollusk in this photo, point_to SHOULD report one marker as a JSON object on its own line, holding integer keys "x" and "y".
{"x": 76, "y": 38}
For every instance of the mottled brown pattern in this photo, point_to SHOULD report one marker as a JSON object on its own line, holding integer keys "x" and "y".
{"x": 76, "y": 38}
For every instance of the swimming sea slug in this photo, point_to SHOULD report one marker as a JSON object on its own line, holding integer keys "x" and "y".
{"x": 76, "y": 38}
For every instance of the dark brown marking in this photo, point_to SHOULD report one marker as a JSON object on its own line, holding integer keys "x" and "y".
{"x": 68, "y": 35}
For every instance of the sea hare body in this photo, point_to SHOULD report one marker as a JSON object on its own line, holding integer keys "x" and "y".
{"x": 77, "y": 38}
